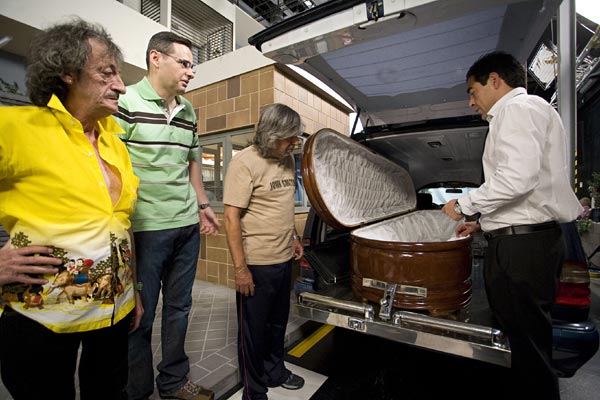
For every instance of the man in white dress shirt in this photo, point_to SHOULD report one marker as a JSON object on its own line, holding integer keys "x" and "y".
{"x": 526, "y": 194}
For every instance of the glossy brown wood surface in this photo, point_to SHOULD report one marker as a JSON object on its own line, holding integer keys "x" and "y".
{"x": 443, "y": 268}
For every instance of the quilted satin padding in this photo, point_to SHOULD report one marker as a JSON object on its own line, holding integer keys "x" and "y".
{"x": 357, "y": 185}
{"x": 417, "y": 227}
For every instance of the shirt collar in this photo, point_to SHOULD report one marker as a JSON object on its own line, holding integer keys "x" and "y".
{"x": 503, "y": 100}
{"x": 147, "y": 92}
{"x": 107, "y": 125}
{"x": 55, "y": 104}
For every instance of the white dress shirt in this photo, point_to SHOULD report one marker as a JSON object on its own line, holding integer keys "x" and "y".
{"x": 525, "y": 164}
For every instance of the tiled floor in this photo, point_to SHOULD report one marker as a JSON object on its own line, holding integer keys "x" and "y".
{"x": 211, "y": 342}
{"x": 313, "y": 382}
{"x": 211, "y": 339}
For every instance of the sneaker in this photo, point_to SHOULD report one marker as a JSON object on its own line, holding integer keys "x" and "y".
{"x": 293, "y": 382}
{"x": 189, "y": 391}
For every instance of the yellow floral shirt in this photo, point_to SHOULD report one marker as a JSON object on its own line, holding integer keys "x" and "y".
{"x": 53, "y": 193}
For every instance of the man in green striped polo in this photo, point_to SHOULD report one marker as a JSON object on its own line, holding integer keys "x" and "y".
{"x": 160, "y": 134}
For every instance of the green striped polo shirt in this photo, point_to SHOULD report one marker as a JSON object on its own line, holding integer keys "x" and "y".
{"x": 160, "y": 148}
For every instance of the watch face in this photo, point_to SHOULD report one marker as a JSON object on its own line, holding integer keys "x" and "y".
{"x": 457, "y": 208}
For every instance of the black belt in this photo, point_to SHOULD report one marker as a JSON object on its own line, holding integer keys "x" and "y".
{"x": 521, "y": 229}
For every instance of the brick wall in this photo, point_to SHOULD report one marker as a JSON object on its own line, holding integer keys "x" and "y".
{"x": 236, "y": 102}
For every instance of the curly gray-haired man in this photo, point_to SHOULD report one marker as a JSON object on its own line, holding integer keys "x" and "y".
{"x": 67, "y": 190}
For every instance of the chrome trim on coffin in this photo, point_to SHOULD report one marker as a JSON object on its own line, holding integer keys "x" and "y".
{"x": 459, "y": 338}
{"x": 404, "y": 289}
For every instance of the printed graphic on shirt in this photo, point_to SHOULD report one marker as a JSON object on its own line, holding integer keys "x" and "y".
{"x": 282, "y": 183}
{"x": 78, "y": 280}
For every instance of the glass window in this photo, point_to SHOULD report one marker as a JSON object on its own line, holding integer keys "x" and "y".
{"x": 443, "y": 194}
{"x": 212, "y": 171}
{"x": 241, "y": 141}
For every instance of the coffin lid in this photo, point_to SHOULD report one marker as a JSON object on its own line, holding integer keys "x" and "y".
{"x": 349, "y": 185}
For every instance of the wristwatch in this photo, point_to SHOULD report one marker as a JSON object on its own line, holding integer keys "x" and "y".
{"x": 138, "y": 286}
{"x": 204, "y": 206}
{"x": 458, "y": 209}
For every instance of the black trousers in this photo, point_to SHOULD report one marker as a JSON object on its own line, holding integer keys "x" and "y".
{"x": 262, "y": 321}
{"x": 37, "y": 363}
{"x": 521, "y": 274}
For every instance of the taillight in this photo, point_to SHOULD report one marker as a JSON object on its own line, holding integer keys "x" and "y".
{"x": 304, "y": 263}
{"x": 574, "y": 272}
{"x": 570, "y": 294}
{"x": 306, "y": 270}
{"x": 574, "y": 285}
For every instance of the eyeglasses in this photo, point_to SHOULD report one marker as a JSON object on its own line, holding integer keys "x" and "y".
{"x": 184, "y": 63}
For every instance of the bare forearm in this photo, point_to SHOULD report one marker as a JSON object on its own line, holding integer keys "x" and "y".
{"x": 244, "y": 282}
{"x": 233, "y": 230}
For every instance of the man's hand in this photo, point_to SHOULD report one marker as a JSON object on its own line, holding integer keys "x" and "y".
{"x": 25, "y": 264}
{"x": 138, "y": 312}
{"x": 449, "y": 209}
{"x": 467, "y": 228}
{"x": 298, "y": 249}
{"x": 244, "y": 282}
{"x": 209, "y": 224}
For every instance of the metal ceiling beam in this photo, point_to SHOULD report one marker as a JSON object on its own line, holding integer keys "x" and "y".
{"x": 566, "y": 77}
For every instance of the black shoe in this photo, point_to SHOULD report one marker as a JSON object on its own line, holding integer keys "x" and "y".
{"x": 189, "y": 391}
{"x": 293, "y": 382}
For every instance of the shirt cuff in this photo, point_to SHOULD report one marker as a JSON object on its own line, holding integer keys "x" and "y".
{"x": 466, "y": 205}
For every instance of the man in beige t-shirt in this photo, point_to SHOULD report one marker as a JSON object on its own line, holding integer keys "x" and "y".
{"x": 259, "y": 221}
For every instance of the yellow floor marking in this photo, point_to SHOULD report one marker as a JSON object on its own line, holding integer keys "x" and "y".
{"x": 305, "y": 345}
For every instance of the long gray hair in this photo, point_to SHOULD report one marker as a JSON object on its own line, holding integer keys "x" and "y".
{"x": 277, "y": 121}
{"x": 62, "y": 49}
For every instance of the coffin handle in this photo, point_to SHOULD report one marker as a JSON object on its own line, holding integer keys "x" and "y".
{"x": 306, "y": 298}
{"x": 387, "y": 301}
{"x": 493, "y": 336}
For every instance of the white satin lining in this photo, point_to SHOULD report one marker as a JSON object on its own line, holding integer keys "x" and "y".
{"x": 416, "y": 227}
{"x": 357, "y": 185}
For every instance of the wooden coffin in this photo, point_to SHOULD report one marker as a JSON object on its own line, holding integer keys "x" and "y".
{"x": 416, "y": 252}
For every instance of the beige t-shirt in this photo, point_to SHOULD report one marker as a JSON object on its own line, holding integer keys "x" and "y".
{"x": 264, "y": 188}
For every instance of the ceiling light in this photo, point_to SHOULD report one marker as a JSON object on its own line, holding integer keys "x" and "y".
{"x": 544, "y": 66}
{"x": 4, "y": 40}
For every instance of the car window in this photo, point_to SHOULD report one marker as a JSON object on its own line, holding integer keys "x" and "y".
{"x": 441, "y": 195}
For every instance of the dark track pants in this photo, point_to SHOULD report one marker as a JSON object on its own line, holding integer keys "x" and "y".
{"x": 521, "y": 273}
{"x": 262, "y": 321}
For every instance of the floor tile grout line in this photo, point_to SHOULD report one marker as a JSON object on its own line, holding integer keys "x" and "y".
{"x": 208, "y": 325}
